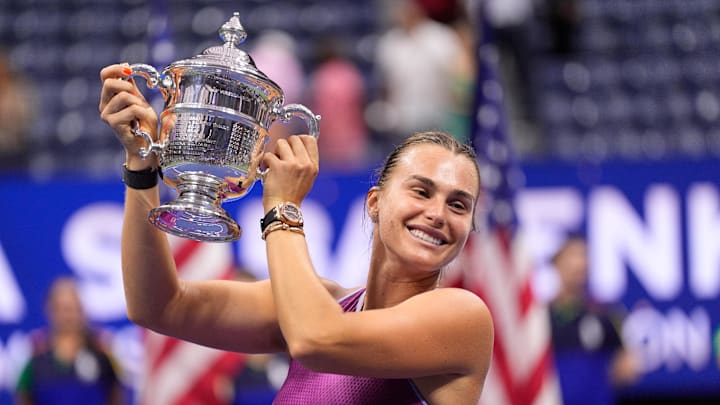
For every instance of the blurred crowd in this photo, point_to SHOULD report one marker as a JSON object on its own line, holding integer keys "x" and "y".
{"x": 584, "y": 81}
{"x": 407, "y": 66}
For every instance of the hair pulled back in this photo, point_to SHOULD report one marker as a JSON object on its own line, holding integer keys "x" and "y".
{"x": 432, "y": 137}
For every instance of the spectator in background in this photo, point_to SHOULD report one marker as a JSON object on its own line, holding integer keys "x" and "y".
{"x": 415, "y": 60}
{"x": 260, "y": 379}
{"x": 510, "y": 20}
{"x": 275, "y": 53}
{"x": 463, "y": 73}
{"x": 337, "y": 94}
{"x": 16, "y": 112}
{"x": 589, "y": 354}
{"x": 69, "y": 364}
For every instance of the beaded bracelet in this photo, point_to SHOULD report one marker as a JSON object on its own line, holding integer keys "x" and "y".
{"x": 281, "y": 226}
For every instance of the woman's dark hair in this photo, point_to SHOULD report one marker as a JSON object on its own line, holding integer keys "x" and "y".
{"x": 437, "y": 138}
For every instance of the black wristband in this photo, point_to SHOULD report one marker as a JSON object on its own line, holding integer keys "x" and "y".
{"x": 140, "y": 179}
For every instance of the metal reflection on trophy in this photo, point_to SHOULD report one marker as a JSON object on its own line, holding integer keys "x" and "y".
{"x": 213, "y": 131}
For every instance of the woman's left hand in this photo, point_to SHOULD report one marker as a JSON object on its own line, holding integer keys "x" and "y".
{"x": 293, "y": 167}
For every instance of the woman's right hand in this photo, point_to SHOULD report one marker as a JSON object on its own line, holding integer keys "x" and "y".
{"x": 121, "y": 103}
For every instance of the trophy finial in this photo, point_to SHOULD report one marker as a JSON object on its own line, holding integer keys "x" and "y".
{"x": 232, "y": 32}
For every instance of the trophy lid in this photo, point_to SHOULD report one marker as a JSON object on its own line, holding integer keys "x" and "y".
{"x": 231, "y": 58}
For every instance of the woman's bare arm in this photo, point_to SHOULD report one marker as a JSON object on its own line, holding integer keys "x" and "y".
{"x": 228, "y": 315}
{"x": 446, "y": 331}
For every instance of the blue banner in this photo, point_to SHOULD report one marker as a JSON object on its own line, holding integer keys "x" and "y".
{"x": 651, "y": 230}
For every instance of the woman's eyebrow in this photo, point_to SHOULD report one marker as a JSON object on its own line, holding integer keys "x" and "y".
{"x": 422, "y": 179}
{"x": 431, "y": 184}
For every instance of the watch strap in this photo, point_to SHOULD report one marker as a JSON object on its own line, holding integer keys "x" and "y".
{"x": 269, "y": 218}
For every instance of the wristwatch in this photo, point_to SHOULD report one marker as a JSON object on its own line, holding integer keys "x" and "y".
{"x": 287, "y": 213}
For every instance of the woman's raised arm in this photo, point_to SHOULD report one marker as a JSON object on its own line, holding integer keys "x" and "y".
{"x": 229, "y": 315}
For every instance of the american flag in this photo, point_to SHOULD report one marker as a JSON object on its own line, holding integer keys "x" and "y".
{"x": 493, "y": 263}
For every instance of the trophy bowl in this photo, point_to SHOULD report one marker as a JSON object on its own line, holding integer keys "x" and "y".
{"x": 212, "y": 133}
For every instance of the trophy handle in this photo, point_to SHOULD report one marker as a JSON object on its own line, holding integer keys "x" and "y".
{"x": 289, "y": 111}
{"x": 152, "y": 79}
{"x": 285, "y": 114}
{"x": 152, "y": 147}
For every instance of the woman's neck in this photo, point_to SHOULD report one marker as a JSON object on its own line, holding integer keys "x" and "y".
{"x": 386, "y": 288}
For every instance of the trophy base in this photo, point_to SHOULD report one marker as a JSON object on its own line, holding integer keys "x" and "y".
{"x": 196, "y": 213}
{"x": 189, "y": 221}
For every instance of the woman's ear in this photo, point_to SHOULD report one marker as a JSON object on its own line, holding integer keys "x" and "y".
{"x": 372, "y": 203}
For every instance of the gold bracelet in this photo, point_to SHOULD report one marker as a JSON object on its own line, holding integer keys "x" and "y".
{"x": 281, "y": 226}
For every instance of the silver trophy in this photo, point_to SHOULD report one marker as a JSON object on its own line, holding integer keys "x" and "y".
{"x": 213, "y": 131}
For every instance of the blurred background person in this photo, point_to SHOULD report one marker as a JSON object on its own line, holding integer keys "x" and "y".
{"x": 590, "y": 358}
{"x": 259, "y": 379}
{"x": 69, "y": 364}
{"x": 275, "y": 54}
{"x": 337, "y": 94}
{"x": 456, "y": 14}
{"x": 415, "y": 61}
{"x": 510, "y": 21}
{"x": 17, "y": 108}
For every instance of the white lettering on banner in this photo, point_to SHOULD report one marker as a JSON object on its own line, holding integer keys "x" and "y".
{"x": 671, "y": 340}
{"x": 547, "y": 215}
{"x": 13, "y": 356}
{"x": 12, "y": 304}
{"x": 619, "y": 237}
{"x": 251, "y": 247}
{"x": 347, "y": 265}
{"x": 91, "y": 248}
{"x": 352, "y": 254}
{"x": 703, "y": 218}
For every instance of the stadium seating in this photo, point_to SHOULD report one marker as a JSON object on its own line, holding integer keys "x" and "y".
{"x": 640, "y": 83}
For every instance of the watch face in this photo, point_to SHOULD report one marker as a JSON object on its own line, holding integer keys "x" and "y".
{"x": 291, "y": 214}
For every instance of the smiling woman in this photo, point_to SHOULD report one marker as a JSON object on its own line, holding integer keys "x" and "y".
{"x": 422, "y": 206}
{"x": 428, "y": 188}
{"x": 399, "y": 339}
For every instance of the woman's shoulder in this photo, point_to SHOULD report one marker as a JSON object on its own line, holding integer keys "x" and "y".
{"x": 454, "y": 295}
{"x": 460, "y": 316}
{"x": 450, "y": 299}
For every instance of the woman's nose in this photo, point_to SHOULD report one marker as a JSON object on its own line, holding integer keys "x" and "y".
{"x": 436, "y": 212}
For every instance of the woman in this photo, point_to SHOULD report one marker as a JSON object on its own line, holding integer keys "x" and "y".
{"x": 399, "y": 340}
{"x": 69, "y": 363}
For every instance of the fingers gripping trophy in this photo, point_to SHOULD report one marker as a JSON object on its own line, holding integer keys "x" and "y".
{"x": 213, "y": 132}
